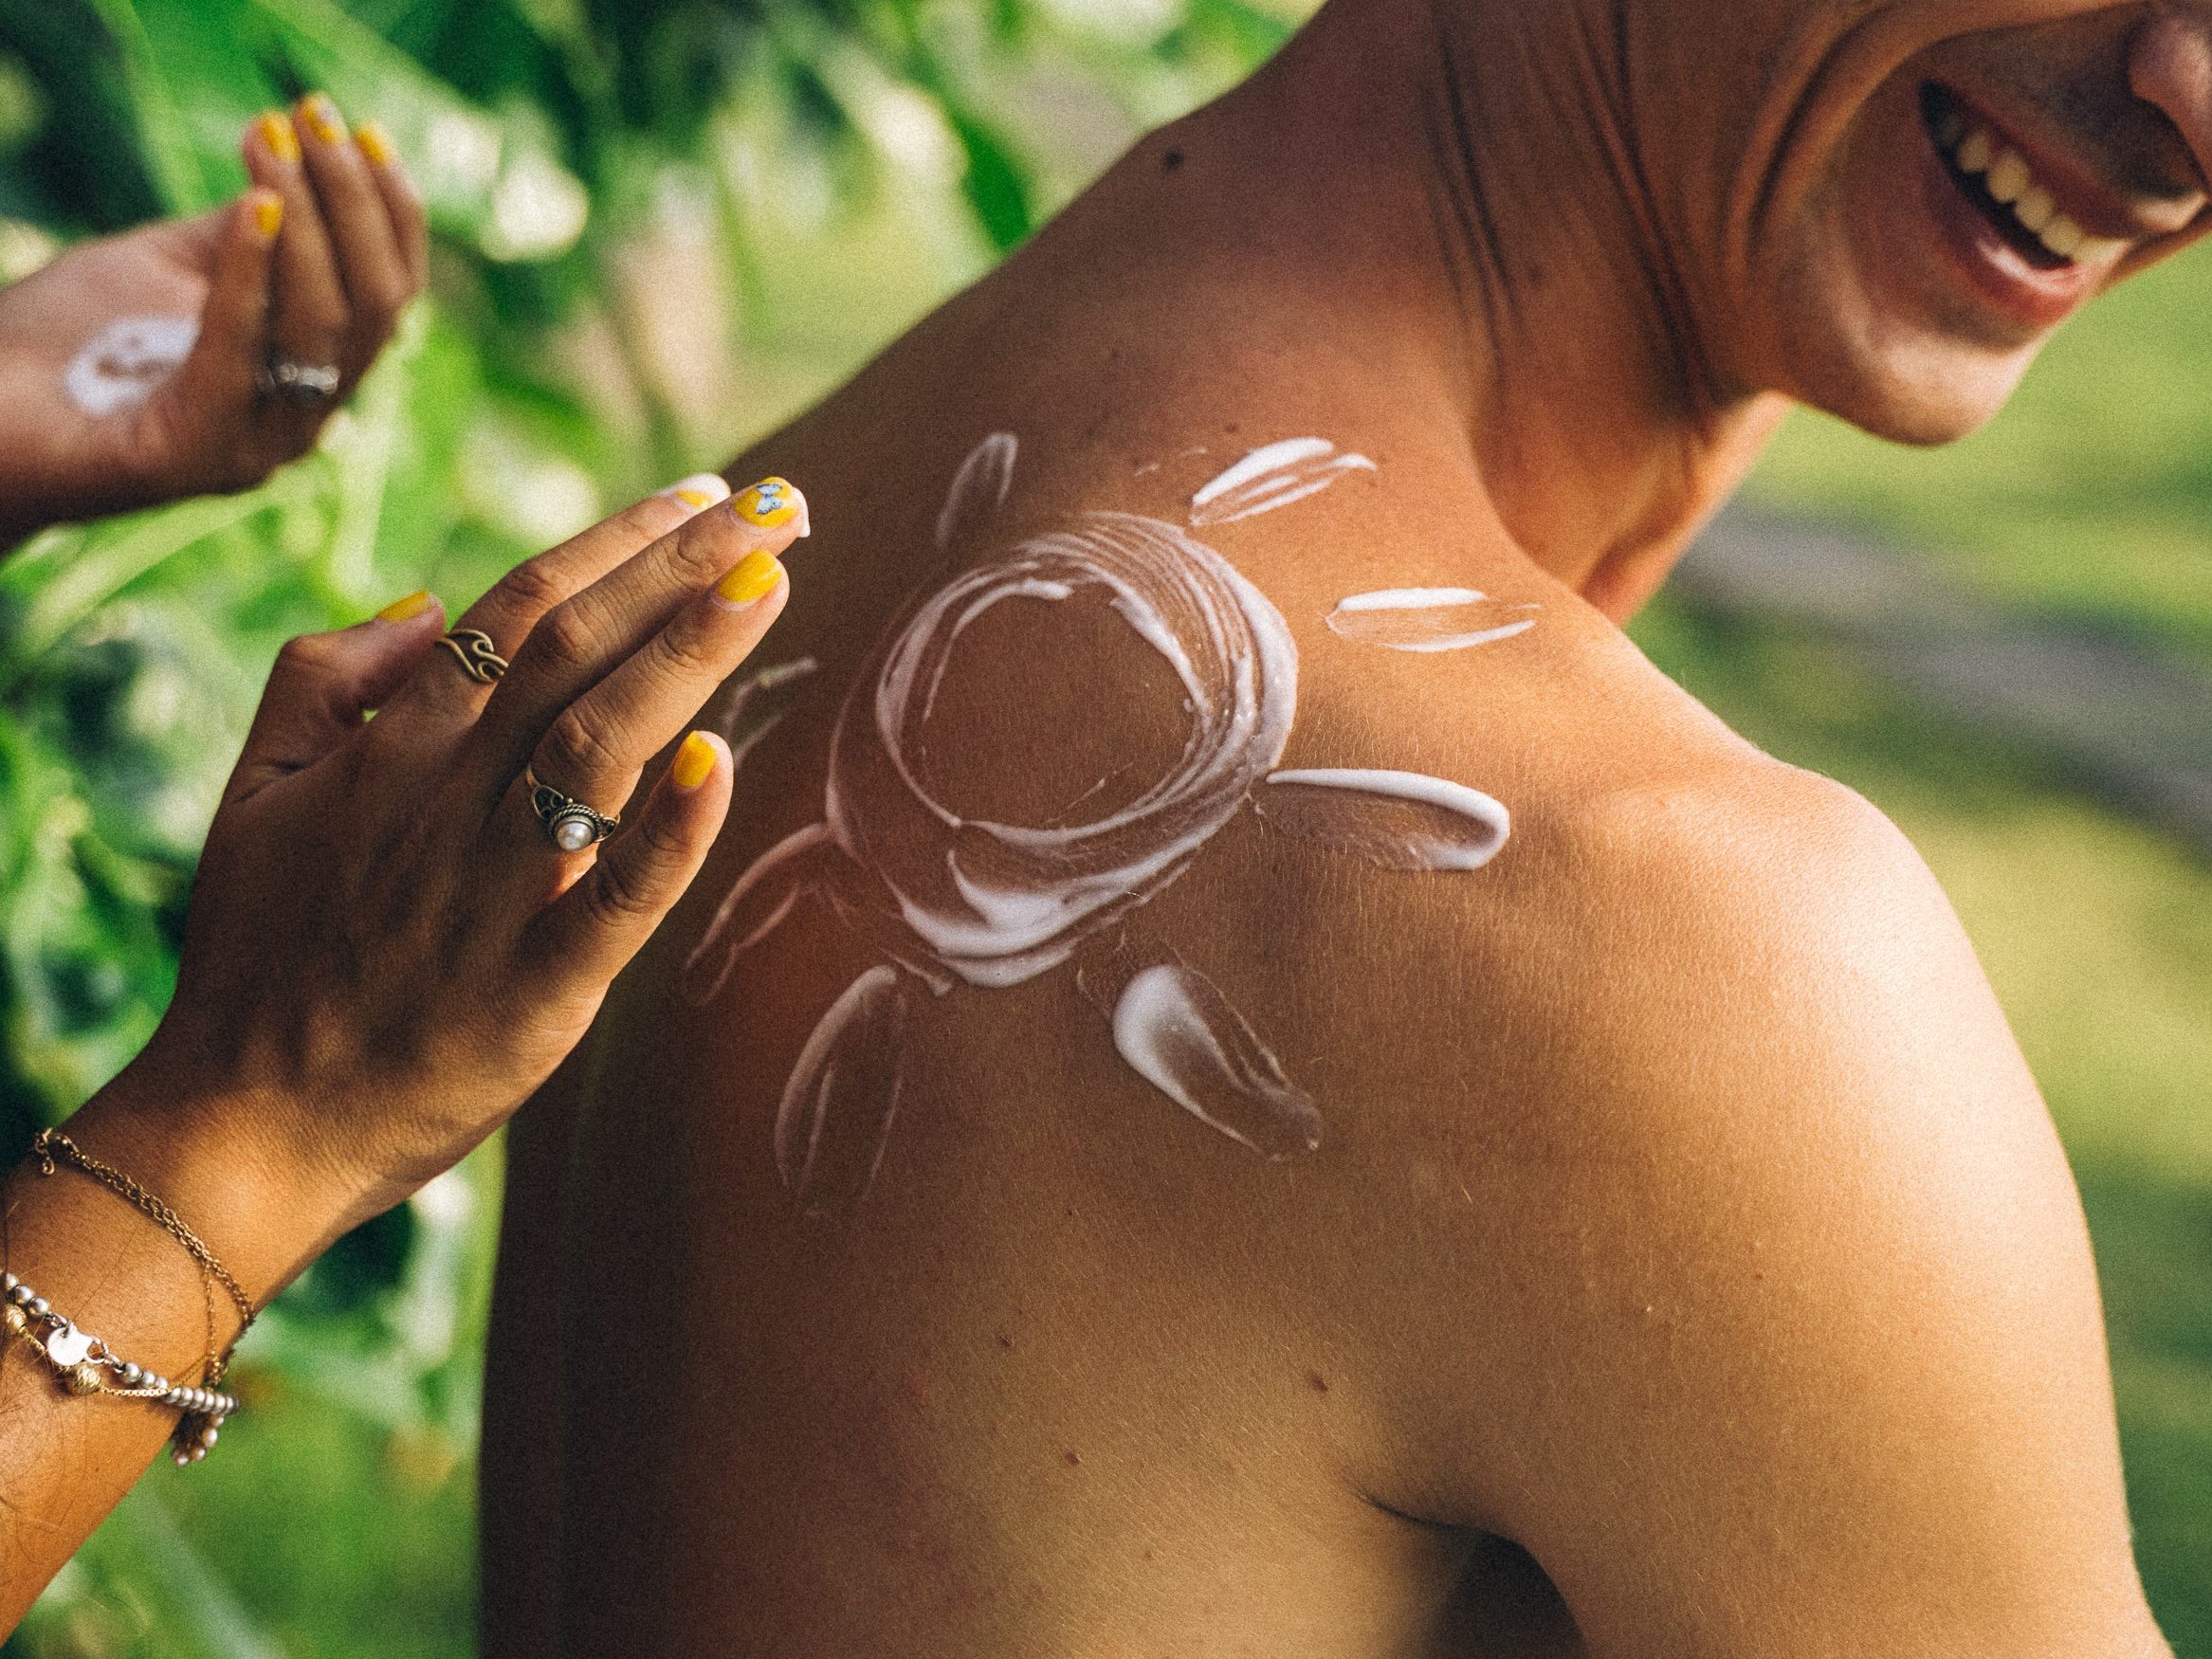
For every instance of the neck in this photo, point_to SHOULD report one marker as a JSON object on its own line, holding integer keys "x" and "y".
{"x": 1506, "y": 208}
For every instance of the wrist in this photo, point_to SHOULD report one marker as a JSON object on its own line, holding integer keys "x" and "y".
{"x": 215, "y": 1154}
{"x": 70, "y": 488}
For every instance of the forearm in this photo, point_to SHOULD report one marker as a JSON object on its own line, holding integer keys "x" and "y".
{"x": 67, "y": 1461}
{"x": 386, "y": 934}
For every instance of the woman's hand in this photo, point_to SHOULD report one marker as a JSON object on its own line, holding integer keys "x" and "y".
{"x": 387, "y": 951}
{"x": 386, "y": 954}
{"x": 136, "y": 369}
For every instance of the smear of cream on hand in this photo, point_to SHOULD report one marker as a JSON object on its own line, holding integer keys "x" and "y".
{"x": 1400, "y": 820}
{"x": 120, "y": 366}
{"x": 1176, "y": 1029}
{"x": 1428, "y": 619}
{"x": 1271, "y": 477}
{"x": 834, "y": 1121}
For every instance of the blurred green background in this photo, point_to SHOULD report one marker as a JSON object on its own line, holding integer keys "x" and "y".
{"x": 665, "y": 226}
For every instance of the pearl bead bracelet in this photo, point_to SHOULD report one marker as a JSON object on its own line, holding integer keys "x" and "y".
{"x": 86, "y": 1365}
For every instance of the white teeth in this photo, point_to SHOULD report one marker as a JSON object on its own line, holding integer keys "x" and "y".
{"x": 2008, "y": 177}
{"x": 2009, "y": 180}
{"x": 2063, "y": 237}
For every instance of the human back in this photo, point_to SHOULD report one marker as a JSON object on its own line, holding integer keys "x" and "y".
{"x": 1041, "y": 1342}
{"x": 1231, "y": 1031}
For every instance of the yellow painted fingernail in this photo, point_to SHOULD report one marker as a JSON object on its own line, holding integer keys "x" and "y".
{"x": 752, "y": 580}
{"x": 277, "y": 136}
{"x": 773, "y": 503}
{"x": 374, "y": 144}
{"x": 268, "y": 214}
{"x": 414, "y": 605}
{"x": 694, "y": 763}
{"x": 699, "y": 492}
{"x": 322, "y": 119}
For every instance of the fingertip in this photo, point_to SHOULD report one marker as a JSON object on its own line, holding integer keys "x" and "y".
{"x": 696, "y": 762}
{"x": 264, "y": 212}
{"x": 272, "y": 132}
{"x": 413, "y": 608}
{"x": 774, "y": 504}
{"x": 322, "y": 119}
{"x": 699, "y": 492}
{"x": 751, "y": 580}
{"x": 376, "y": 146}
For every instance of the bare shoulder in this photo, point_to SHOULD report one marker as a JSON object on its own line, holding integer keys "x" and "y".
{"x": 1738, "y": 1275}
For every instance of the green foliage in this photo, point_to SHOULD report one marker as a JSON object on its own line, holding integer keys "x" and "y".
{"x": 2086, "y": 498}
{"x": 660, "y": 226}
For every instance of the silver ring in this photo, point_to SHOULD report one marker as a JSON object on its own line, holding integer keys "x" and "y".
{"x": 297, "y": 382}
{"x": 571, "y": 825}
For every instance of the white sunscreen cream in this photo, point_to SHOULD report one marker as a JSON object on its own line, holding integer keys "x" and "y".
{"x": 1428, "y": 619}
{"x": 997, "y": 903}
{"x": 978, "y": 490}
{"x": 759, "y": 703}
{"x": 756, "y": 906}
{"x": 834, "y": 1120}
{"x": 1174, "y": 1030}
{"x": 119, "y": 367}
{"x": 951, "y": 900}
{"x": 1274, "y": 476}
{"x": 994, "y": 903}
{"x": 1400, "y": 820}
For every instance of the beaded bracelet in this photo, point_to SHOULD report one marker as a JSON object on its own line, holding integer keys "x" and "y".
{"x": 197, "y": 1426}
{"x": 79, "y": 1360}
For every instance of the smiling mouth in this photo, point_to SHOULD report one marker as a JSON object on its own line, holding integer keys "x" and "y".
{"x": 2002, "y": 187}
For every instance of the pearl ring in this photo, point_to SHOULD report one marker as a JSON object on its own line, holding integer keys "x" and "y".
{"x": 572, "y": 825}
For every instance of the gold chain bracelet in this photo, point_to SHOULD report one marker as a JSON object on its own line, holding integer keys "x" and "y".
{"x": 52, "y": 1142}
{"x": 203, "y": 1408}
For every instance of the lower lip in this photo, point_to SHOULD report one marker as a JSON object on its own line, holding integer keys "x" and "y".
{"x": 1991, "y": 265}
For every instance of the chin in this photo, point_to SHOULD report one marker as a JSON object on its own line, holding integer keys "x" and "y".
{"x": 1922, "y": 390}
{"x": 1968, "y": 209}
{"x": 1861, "y": 335}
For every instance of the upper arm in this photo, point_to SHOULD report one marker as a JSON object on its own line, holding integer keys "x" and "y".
{"x": 1777, "y": 1330}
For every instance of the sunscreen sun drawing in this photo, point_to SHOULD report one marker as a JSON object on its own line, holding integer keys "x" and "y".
{"x": 951, "y": 900}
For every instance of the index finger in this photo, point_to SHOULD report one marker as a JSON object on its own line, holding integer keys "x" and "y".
{"x": 372, "y": 267}
{"x": 444, "y": 689}
{"x": 401, "y": 200}
{"x": 589, "y": 637}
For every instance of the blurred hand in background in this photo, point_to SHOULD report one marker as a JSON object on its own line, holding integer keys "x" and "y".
{"x": 196, "y": 355}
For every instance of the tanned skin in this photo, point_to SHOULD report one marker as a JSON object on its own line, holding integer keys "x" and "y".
{"x": 1690, "y": 1266}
